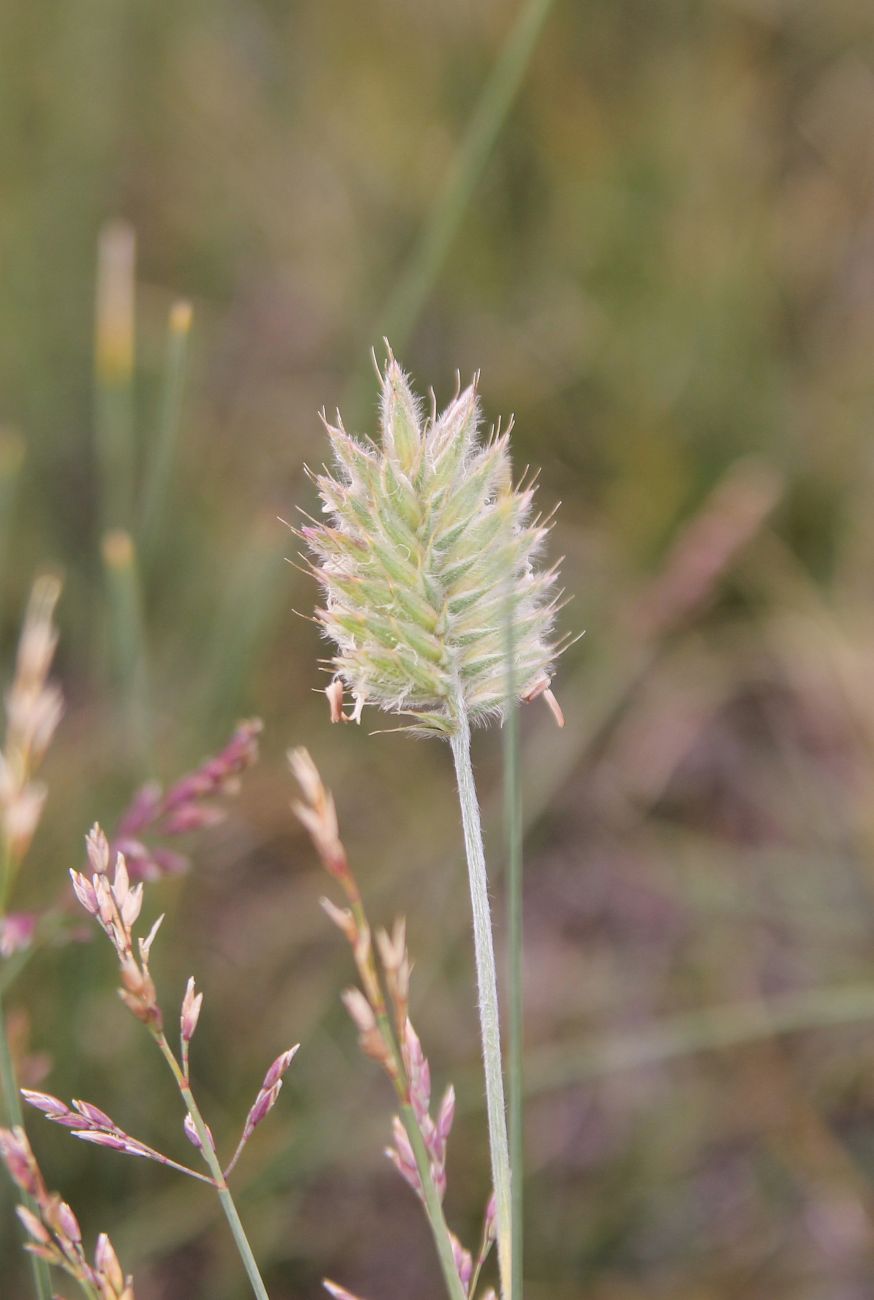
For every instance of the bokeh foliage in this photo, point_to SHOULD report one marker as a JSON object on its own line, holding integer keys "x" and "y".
{"x": 662, "y": 266}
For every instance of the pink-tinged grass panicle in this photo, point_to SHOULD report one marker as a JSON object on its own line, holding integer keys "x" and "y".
{"x": 379, "y": 1009}
{"x": 34, "y": 706}
{"x": 91, "y": 1124}
{"x": 191, "y": 804}
{"x": 338, "y": 1292}
{"x": 116, "y": 904}
{"x": 53, "y": 1229}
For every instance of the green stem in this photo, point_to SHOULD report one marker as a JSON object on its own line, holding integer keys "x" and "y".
{"x": 41, "y": 1277}
{"x": 87, "y": 1289}
{"x": 488, "y": 996}
{"x": 433, "y": 1204}
{"x": 11, "y": 458}
{"x": 128, "y": 641}
{"x": 207, "y": 1151}
{"x": 113, "y": 373}
{"x": 159, "y": 476}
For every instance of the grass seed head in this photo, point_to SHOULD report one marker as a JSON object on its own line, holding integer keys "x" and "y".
{"x": 427, "y": 564}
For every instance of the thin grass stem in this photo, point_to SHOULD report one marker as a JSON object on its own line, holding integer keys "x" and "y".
{"x": 433, "y": 1204}
{"x": 487, "y": 985}
{"x": 11, "y": 460}
{"x": 224, "y": 1193}
{"x": 515, "y": 939}
{"x": 42, "y": 1282}
{"x": 159, "y": 469}
{"x": 717, "y": 1028}
{"x": 127, "y": 637}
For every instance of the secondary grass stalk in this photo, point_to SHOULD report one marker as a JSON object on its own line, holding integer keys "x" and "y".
{"x": 224, "y": 1193}
{"x": 128, "y": 639}
{"x": 487, "y": 984}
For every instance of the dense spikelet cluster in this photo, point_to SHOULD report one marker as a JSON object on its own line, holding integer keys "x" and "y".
{"x": 427, "y": 565}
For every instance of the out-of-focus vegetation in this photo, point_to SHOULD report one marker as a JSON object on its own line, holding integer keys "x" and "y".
{"x": 664, "y": 266}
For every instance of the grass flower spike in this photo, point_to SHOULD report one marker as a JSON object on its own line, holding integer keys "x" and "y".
{"x": 427, "y": 558}
{"x": 438, "y": 613}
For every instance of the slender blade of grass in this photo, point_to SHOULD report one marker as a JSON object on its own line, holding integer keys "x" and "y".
{"x": 41, "y": 1277}
{"x": 497, "y": 98}
{"x": 11, "y": 460}
{"x": 113, "y": 373}
{"x": 162, "y": 454}
{"x": 715, "y": 1029}
{"x": 127, "y": 639}
{"x": 241, "y": 624}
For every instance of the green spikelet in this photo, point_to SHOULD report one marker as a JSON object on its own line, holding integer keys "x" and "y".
{"x": 427, "y": 565}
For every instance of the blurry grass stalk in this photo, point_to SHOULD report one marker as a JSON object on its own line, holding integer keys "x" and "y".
{"x": 251, "y": 597}
{"x": 11, "y": 460}
{"x": 42, "y": 1282}
{"x": 490, "y": 1026}
{"x": 113, "y": 372}
{"x": 515, "y": 1074}
{"x": 713, "y": 1029}
{"x": 447, "y": 211}
{"x": 127, "y": 639}
{"x": 159, "y": 470}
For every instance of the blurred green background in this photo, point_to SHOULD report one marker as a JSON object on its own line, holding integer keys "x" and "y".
{"x": 651, "y": 227}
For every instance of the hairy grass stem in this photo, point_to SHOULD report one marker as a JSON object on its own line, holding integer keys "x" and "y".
{"x": 515, "y": 939}
{"x": 487, "y": 984}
